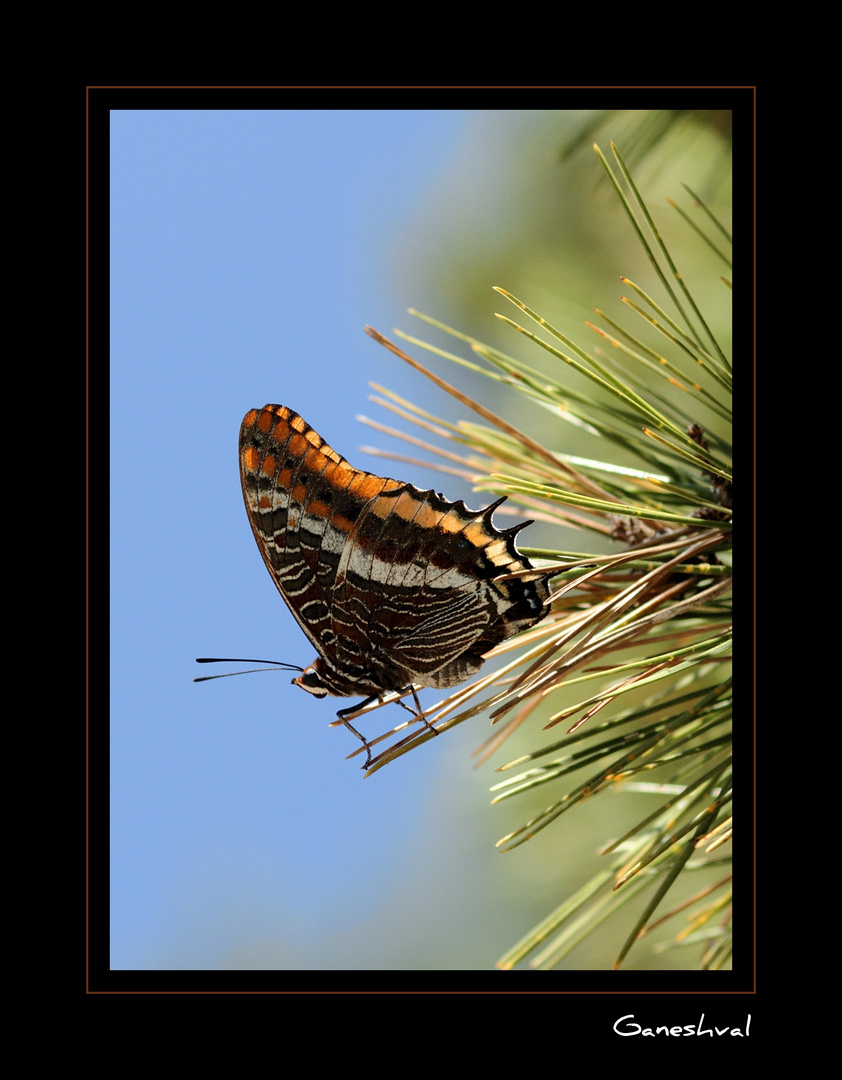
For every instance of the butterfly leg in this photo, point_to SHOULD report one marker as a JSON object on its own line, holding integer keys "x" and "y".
{"x": 419, "y": 715}
{"x": 342, "y": 714}
{"x": 417, "y": 712}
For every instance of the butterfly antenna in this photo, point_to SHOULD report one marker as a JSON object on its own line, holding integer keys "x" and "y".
{"x": 238, "y": 660}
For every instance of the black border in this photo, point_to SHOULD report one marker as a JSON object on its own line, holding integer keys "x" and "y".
{"x": 663, "y": 992}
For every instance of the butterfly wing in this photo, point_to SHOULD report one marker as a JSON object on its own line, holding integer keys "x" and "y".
{"x": 417, "y": 587}
{"x": 391, "y": 585}
{"x": 302, "y": 499}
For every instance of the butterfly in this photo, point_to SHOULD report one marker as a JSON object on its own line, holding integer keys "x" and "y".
{"x": 394, "y": 587}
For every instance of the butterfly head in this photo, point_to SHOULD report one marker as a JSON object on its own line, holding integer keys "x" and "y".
{"x": 311, "y": 680}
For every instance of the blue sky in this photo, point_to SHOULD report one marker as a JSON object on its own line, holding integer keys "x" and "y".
{"x": 248, "y": 251}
